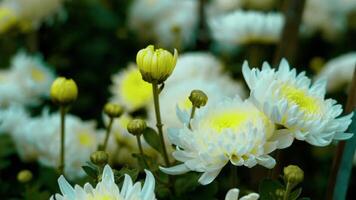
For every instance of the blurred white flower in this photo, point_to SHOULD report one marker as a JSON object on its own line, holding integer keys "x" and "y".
{"x": 232, "y": 130}
{"x": 233, "y": 194}
{"x": 170, "y": 23}
{"x": 31, "y": 13}
{"x": 218, "y": 7}
{"x": 290, "y": 100}
{"x": 26, "y": 81}
{"x": 243, "y": 27}
{"x": 330, "y": 18}
{"x": 338, "y": 71}
{"x": 107, "y": 189}
{"x": 130, "y": 90}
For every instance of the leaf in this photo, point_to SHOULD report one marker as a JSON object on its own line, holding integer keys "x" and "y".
{"x": 91, "y": 171}
{"x": 304, "y": 198}
{"x": 152, "y": 138}
{"x": 133, "y": 173}
{"x": 295, "y": 194}
{"x": 267, "y": 189}
{"x": 186, "y": 183}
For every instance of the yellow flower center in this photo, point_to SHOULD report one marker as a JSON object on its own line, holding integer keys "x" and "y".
{"x": 37, "y": 75}
{"x": 306, "y": 103}
{"x": 85, "y": 139}
{"x": 103, "y": 197}
{"x": 225, "y": 120}
{"x": 134, "y": 90}
{"x": 186, "y": 104}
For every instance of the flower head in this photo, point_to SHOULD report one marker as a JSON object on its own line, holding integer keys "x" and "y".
{"x": 156, "y": 65}
{"x": 233, "y": 130}
{"x": 64, "y": 91}
{"x": 107, "y": 189}
{"x": 290, "y": 100}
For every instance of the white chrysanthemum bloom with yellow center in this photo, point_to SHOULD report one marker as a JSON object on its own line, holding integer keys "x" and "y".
{"x": 172, "y": 23}
{"x": 31, "y": 13}
{"x": 233, "y": 194}
{"x": 232, "y": 130}
{"x": 130, "y": 90}
{"x": 9, "y": 91}
{"x": 244, "y": 27}
{"x": 176, "y": 96}
{"x": 32, "y": 74}
{"x": 106, "y": 189}
{"x": 339, "y": 71}
{"x": 290, "y": 100}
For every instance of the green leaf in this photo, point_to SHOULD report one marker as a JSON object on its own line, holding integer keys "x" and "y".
{"x": 133, "y": 173}
{"x": 295, "y": 194}
{"x": 267, "y": 189}
{"x": 152, "y": 138}
{"x": 91, "y": 171}
{"x": 304, "y": 198}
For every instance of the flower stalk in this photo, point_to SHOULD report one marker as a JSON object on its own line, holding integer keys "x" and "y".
{"x": 108, "y": 130}
{"x": 192, "y": 113}
{"x": 62, "y": 140}
{"x": 159, "y": 121}
{"x": 138, "y": 137}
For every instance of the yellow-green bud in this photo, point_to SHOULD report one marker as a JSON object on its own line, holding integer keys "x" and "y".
{"x": 64, "y": 91}
{"x": 280, "y": 193}
{"x": 293, "y": 174}
{"x": 156, "y": 65}
{"x": 136, "y": 126}
{"x": 8, "y": 19}
{"x": 24, "y": 176}
{"x": 113, "y": 110}
{"x": 198, "y": 98}
{"x": 99, "y": 158}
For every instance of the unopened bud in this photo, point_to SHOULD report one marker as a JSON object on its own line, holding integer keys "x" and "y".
{"x": 280, "y": 193}
{"x": 64, "y": 91}
{"x": 293, "y": 174}
{"x": 113, "y": 110}
{"x": 136, "y": 126}
{"x": 198, "y": 98}
{"x": 24, "y": 176}
{"x": 99, "y": 158}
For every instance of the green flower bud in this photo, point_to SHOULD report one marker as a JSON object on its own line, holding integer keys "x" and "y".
{"x": 156, "y": 65}
{"x": 136, "y": 126}
{"x": 99, "y": 158}
{"x": 198, "y": 98}
{"x": 24, "y": 176}
{"x": 113, "y": 110}
{"x": 293, "y": 174}
{"x": 63, "y": 91}
{"x": 280, "y": 193}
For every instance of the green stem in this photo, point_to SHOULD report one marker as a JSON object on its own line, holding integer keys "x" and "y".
{"x": 191, "y": 116}
{"x": 159, "y": 122}
{"x": 141, "y": 151}
{"x": 286, "y": 194}
{"x": 62, "y": 139}
{"x": 108, "y": 130}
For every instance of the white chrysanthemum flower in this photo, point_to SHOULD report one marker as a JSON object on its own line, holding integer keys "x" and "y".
{"x": 233, "y": 194}
{"x": 32, "y": 74}
{"x": 130, "y": 90}
{"x": 107, "y": 189}
{"x": 232, "y": 130}
{"x": 172, "y": 23}
{"x": 243, "y": 27}
{"x": 218, "y": 7}
{"x": 9, "y": 91}
{"x": 331, "y": 18}
{"x": 291, "y": 101}
{"x": 339, "y": 71}
{"x": 31, "y": 13}
{"x": 81, "y": 140}
{"x": 176, "y": 95}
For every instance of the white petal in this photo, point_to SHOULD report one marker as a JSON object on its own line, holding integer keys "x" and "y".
{"x": 208, "y": 177}
{"x": 66, "y": 189}
{"x": 175, "y": 170}
{"x": 232, "y": 194}
{"x": 148, "y": 187}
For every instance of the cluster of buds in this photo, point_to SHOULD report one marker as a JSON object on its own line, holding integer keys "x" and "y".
{"x": 156, "y": 65}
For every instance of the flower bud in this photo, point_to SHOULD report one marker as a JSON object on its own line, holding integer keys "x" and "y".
{"x": 113, "y": 110}
{"x": 136, "y": 126}
{"x": 293, "y": 174}
{"x": 156, "y": 65}
{"x": 24, "y": 176}
{"x": 198, "y": 98}
{"x": 280, "y": 193}
{"x": 99, "y": 158}
{"x": 63, "y": 91}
